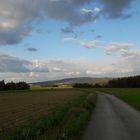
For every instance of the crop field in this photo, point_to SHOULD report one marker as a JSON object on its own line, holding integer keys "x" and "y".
{"x": 18, "y": 107}
{"x": 64, "y": 86}
{"x": 129, "y": 95}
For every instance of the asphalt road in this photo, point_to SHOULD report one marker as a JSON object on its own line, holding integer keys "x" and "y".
{"x": 112, "y": 119}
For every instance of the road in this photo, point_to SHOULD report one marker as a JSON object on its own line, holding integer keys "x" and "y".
{"x": 112, "y": 119}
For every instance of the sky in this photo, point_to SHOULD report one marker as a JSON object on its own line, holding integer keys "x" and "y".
{"x": 43, "y": 40}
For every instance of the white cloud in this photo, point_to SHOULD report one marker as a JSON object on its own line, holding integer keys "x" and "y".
{"x": 127, "y": 57}
{"x": 56, "y": 69}
{"x": 42, "y": 70}
{"x": 131, "y": 54}
{"x": 89, "y": 44}
{"x": 84, "y": 43}
{"x": 84, "y": 10}
{"x": 89, "y": 72}
{"x": 118, "y": 47}
{"x": 97, "y": 10}
{"x": 71, "y": 39}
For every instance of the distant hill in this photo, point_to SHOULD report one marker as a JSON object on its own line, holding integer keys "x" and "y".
{"x": 73, "y": 80}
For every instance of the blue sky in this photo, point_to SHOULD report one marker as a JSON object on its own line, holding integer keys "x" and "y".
{"x": 55, "y": 39}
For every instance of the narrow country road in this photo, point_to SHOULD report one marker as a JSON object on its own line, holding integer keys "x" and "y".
{"x": 112, "y": 119}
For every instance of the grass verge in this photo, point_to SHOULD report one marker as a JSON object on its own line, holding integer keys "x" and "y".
{"x": 65, "y": 123}
{"x": 129, "y": 95}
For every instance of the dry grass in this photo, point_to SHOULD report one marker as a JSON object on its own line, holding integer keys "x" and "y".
{"x": 17, "y": 108}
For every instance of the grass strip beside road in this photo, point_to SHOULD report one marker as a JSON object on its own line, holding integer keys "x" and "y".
{"x": 65, "y": 123}
{"x": 129, "y": 95}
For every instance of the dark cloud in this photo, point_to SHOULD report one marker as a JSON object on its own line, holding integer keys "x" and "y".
{"x": 17, "y": 16}
{"x": 75, "y": 35}
{"x": 13, "y": 36}
{"x": 68, "y": 11}
{"x": 92, "y": 30}
{"x": 32, "y": 49}
{"x": 99, "y": 37}
{"x": 116, "y": 8}
{"x": 49, "y": 31}
{"x": 79, "y": 2}
{"x": 127, "y": 16}
{"x": 67, "y": 30}
{"x": 13, "y": 64}
{"x": 39, "y": 31}
{"x": 16, "y": 65}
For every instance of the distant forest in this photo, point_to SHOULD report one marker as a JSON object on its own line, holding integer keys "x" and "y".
{"x": 126, "y": 82}
{"x": 13, "y": 86}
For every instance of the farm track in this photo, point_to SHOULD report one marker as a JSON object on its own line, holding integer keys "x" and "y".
{"x": 113, "y": 119}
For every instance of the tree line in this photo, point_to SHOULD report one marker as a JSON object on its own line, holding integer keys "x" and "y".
{"x": 125, "y": 82}
{"x": 13, "y": 86}
{"x": 86, "y": 85}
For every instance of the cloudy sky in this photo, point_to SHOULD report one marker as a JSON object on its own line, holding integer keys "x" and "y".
{"x": 54, "y": 39}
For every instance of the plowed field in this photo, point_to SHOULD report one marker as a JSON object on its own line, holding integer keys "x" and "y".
{"x": 19, "y": 107}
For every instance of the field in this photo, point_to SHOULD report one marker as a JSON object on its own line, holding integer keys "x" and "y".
{"x": 129, "y": 95}
{"x": 44, "y": 113}
{"x": 63, "y": 86}
{"x": 52, "y": 113}
{"x": 19, "y": 107}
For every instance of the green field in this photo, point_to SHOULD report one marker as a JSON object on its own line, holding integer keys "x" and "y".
{"x": 63, "y": 86}
{"x": 51, "y": 114}
{"x": 129, "y": 95}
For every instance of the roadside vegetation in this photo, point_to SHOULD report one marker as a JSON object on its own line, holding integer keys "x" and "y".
{"x": 129, "y": 95}
{"x": 63, "y": 124}
{"x": 62, "y": 117}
